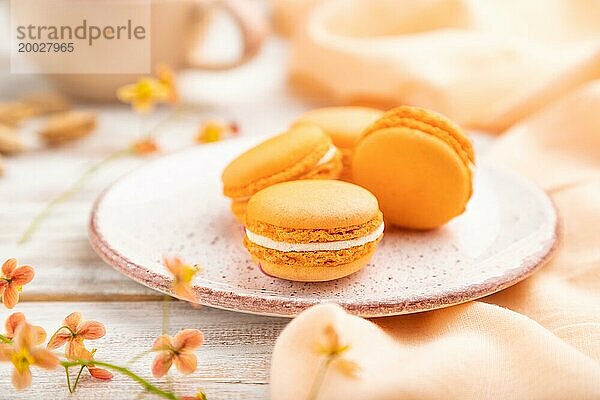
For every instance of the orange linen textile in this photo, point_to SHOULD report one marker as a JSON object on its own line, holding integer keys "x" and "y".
{"x": 539, "y": 339}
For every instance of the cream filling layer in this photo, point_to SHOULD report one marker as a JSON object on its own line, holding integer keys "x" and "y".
{"x": 328, "y": 246}
{"x": 328, "y": 156}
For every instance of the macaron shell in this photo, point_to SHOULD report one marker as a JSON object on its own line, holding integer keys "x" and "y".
{"x": 293, "y": 235}
{"x": 328, "y": 170}
{"x": 313, "y": 273}
{"x": 426, "y": 121}
{"x": 327, "y": 258}
{"x": 312, "y": 204}
{"x": 238, "y": 208}
{"x": 346, "y": 173}
{"x": 278, "y": 159}
{"x": 420, "y": 181}
{"x": 343, "y": 124}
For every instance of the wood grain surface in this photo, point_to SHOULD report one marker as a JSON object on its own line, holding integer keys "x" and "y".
{"x": 234, "y": 362}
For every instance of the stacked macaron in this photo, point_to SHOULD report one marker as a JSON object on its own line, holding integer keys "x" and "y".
{"x": 303, "y": 152}
{"x": 304, "y": 225}
{"x": 344, "y": 125}
{"x": 313, "y": 230}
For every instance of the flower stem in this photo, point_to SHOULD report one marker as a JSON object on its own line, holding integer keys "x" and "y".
{"x": 135, "y": 358}
{"x": 77, "y": 379}
{"x": 88, "y": 173}
{"x": 149, "y": 387}
{"x": 5, "y": 339}
{"x": 149, "y": 133}
{"x": 58, "y": 330}
{"x": 142, "y": 132}
{"x": 67, "y": 194}
{"x": 175, "y": 114}
{"x": 318, "y": 382}
{"x": 68, "y": 379}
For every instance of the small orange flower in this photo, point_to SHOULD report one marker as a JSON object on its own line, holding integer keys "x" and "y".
{"x": 177, "y": 350}
{"x": 24, "y": 352}
{"x": 199, "y": 396}
{"x": 210, "y": 131}
{"x": 329, "y": 344}
{"x": 15, "y": 320}
{"x": 183, "y": 275}
{"x": 330, "y": 347}
{"x": 143, "y": 94}
{"x": 214, "y": 131}
{"x": 12, "y": 323}
{"x": 166, "y": 76}
{"x": 98, "y": 373}
{"x": 73, "y": 332}
{"x": 144, "y": 147}
{"x": 234, "y": 128}
{"x": 12, "y": 281}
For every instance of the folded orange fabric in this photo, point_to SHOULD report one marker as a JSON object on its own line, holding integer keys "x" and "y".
{"x": 486, "y": 64}
{"x": 539, "y": 339}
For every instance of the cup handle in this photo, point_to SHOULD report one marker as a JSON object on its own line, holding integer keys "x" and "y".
{"x": 253, "y": 28}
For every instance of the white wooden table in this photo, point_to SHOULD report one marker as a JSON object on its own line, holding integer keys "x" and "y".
{"x": 234, "y": 363}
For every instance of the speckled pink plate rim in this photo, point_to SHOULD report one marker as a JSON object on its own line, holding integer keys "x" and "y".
{"x": 289, "y": 307}
{"x": 230, "y": 300}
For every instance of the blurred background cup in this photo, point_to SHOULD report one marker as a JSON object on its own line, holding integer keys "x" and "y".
{"x": 178, "y": 28}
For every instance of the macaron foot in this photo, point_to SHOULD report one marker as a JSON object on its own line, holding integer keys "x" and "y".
{"x": 314, "y": 273}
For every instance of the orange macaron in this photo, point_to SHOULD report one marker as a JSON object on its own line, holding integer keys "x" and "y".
{"x": 303, "y": 152}
{"x": 418, "y": 164}
{"x": 344, "y": 125}
{"x": 313, "y": 230}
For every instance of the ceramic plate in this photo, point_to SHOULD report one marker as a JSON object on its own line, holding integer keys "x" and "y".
{"x": 174, "y": 206}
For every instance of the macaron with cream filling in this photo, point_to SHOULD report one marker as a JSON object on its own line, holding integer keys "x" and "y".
{"x": 313, "y": 230}
{"x": 303, "y": 152}
{"x": 344, "y": 125}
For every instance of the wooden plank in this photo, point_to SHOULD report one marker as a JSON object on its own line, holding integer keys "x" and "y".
{"x": 67, "y": 268}
{"x": 76, "y": 273}
{"x": 233, "y": 363}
